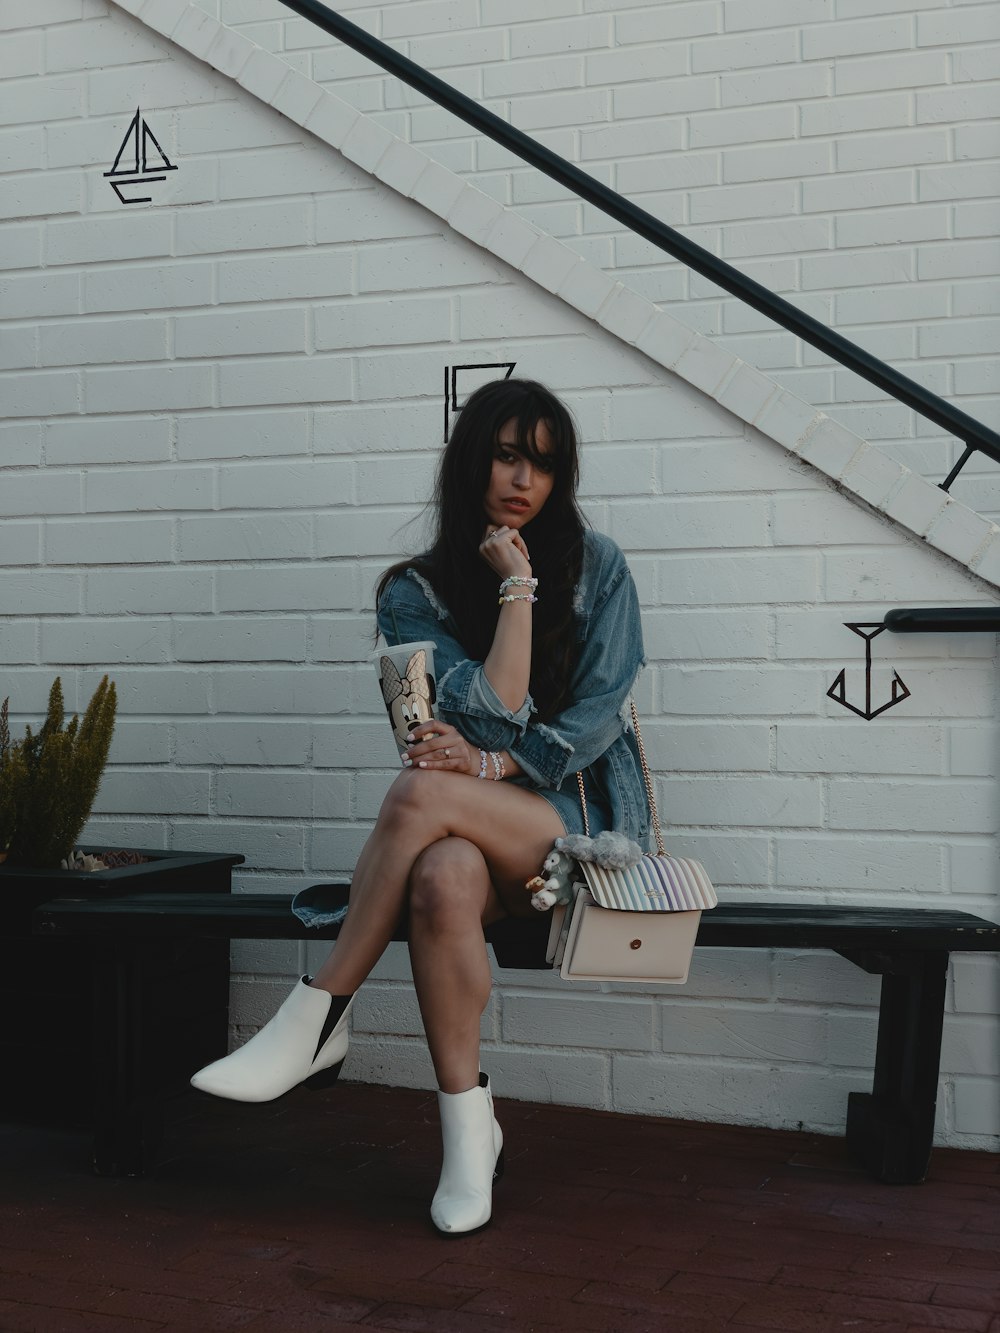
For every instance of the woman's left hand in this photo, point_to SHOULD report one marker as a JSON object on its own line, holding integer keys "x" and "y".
{"x": 436, "y": 744}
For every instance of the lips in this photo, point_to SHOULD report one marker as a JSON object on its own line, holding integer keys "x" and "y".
{"x": 516, "y": 503}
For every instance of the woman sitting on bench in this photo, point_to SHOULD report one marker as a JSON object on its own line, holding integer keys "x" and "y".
{"x": 534, "y": 684}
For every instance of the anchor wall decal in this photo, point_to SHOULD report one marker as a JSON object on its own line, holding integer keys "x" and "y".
{"x": 838, "y": 690}
{"x": 144, "y": 158}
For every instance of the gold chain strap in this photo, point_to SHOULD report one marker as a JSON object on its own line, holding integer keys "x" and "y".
{"x": 583, "y": 803}
{"x": 647, "y": 778}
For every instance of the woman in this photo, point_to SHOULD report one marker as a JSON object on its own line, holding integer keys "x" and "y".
{"x": 533, "y": 685}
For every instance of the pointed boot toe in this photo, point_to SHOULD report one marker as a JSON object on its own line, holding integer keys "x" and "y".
{"x": 307, "y": 1039}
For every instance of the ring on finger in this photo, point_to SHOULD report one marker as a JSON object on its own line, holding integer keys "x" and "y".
{"x": 447, "y": 752}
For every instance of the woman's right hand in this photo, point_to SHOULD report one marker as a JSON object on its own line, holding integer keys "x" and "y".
{"x": 437, "y": 744}
{"x": 504, "y": 551}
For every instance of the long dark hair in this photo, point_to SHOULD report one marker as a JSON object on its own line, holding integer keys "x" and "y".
{"x": 453, "y": 566}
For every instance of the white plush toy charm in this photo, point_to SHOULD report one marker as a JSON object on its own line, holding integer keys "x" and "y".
{"x": 555, "y": 884}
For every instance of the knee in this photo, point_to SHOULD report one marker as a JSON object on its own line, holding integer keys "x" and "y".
{"x": 447, "y": 885}
{"x": 412, "y": 799}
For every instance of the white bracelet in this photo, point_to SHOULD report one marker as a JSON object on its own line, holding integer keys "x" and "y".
{"x": 482, "y": 763}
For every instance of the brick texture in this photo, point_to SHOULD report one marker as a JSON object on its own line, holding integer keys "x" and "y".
{"x": 774, "y": 92}
{"x": 224, "y": 418}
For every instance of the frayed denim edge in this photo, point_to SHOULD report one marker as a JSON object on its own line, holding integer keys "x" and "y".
{"x": 429, "y": 593}
{"x": 548, "y": 734}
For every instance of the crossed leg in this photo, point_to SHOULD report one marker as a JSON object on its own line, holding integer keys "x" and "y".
{"x": 456, "y": 853}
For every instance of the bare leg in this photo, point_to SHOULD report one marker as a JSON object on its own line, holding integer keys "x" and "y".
{"x": 476, "y": 843}
{"x": 450, "y": 896}
{"x": 513, "y": 829}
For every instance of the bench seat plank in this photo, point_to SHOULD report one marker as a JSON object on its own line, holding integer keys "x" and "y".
{"x": 730, "y": 925}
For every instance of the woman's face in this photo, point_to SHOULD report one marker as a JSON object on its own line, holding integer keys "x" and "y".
{"x": 518, "y": 486}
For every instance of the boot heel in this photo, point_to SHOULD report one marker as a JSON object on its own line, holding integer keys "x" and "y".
{"x": 498, "y": 1170}
{"x": 326, "y": 1078}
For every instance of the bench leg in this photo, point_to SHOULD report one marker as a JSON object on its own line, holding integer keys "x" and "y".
{"x": 161, "y": 1012}
{"x": 891, "y": 1129}
{"x": 127, "y": 1126}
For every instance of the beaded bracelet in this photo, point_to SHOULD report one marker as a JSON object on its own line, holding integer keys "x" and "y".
{"x": 516, "y": 581}
{"x": 517, "y": 597}
{"x": 496, "y": 760}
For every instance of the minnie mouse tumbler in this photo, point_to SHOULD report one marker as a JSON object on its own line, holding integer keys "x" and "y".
{"x": 406, "y": 676}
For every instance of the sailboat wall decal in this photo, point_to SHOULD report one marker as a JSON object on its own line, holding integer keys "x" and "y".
{"x": 140, "y": 161}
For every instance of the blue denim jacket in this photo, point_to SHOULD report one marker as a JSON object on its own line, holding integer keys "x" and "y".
{"x": 594, "y": 732}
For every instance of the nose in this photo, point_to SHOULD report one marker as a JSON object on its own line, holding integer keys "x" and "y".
{"x": 522, "y": 474}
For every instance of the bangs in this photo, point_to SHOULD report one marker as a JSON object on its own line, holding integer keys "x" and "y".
{"x": 528, "y": 420}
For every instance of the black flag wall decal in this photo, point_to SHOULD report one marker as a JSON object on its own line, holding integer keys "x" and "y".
{"x": 453, "y": 398}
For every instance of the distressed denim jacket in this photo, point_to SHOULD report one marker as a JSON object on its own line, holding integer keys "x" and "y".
{"x": 594, "y": 732}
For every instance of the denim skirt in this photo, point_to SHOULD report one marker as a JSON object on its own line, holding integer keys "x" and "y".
{"x": 565, "y": 800}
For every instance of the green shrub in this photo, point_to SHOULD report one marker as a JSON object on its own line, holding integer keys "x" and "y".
{"x": 48, "y": 782}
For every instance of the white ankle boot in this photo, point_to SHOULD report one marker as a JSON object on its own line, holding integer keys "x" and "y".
{"x": 303, "y": 1042}
{"x": 473, "y": 1159}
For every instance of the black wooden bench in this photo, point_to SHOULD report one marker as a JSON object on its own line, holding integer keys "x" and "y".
{"x": 889, "y": 1130}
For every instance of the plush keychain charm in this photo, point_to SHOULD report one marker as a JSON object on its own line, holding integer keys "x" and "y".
{"x": 555, "y": 884}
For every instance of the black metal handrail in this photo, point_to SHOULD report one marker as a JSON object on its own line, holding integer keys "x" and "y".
{"x": 974, "y": 434}
{"x": 943, "y": 619}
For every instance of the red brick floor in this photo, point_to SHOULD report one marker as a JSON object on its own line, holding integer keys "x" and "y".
{"x": 312, "y": 1215}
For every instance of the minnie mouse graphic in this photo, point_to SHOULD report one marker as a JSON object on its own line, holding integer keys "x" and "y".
{"x": 409, "y": 699}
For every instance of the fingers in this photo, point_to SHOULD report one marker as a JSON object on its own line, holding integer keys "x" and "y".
{"x": 433, "y": 730}
{"x": 454, "y": 757}
{"x": 504, "y": 550}
{"x": 503, "y": 536}
{"x": 437, "y": 745}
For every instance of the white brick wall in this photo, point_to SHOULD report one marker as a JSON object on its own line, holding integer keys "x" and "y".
{"x": 840, "y": 122}
{"x": 227, "y": 413}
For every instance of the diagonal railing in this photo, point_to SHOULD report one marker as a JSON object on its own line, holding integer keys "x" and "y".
{"x": 974, "y": 434}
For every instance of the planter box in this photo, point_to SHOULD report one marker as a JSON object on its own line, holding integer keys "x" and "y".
{"x": 23, "y": 889}
{"x": 58, "y": 1046}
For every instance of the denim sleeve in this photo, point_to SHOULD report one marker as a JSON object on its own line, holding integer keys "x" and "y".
{"x": 409, "y": 610}
{"x": 610, "y": 659}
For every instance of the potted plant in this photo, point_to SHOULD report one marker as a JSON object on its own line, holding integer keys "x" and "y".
{"x": 48, "y": 783}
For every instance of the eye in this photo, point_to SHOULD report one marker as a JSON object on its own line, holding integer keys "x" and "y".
{"x": 545, "y": 464}
{"x": 505, "y": 456}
